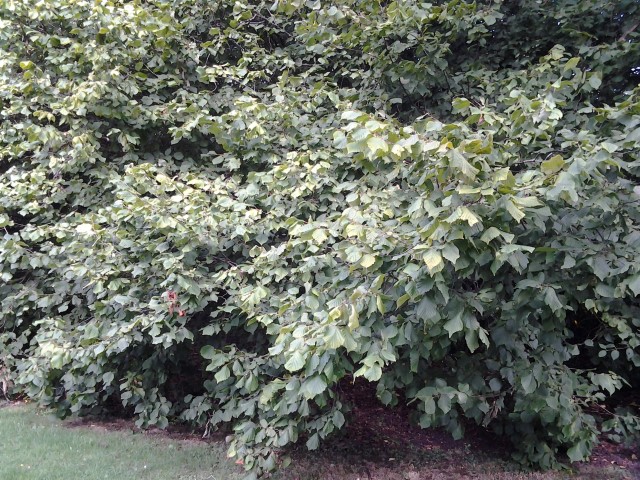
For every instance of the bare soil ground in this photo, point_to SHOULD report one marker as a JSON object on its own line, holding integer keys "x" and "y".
{"x": 382, "y": 443}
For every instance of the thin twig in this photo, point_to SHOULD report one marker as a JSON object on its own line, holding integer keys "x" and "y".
{"x": 624, "y": 35}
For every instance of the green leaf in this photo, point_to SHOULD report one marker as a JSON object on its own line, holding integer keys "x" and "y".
{"x": 528, "y": 383}
{"x": 552, "y": 300}
{"x": 553, "y": 165}
{"x": 295, "y": 362}
{"x": 471, "y": 338}
{"x": 312, "y": 387}
{"x": 338, "y": 419}
{"x": 571, "y": 63}
{"x": 380, "y": 304}
{"x": 444, "y": 403}
{"x": 191, "y": 286}
{"x": 605, "y": 381}
{"x": 222, "y": 374}
{"x": 634, "y": 284}
{"x": 333, "y": 338}
{"x": 354, "y": 230}
{"x": 451, "y": 252}
{"x": 319, "y": 235}
{"x": 490, "y": 234}
{"x": 377, "y": 144}
{"x": 335, "y": 313}
{"x": 461, "y": 164}
{"x": 595, "y": 80}
{"x": 269, "y": 391}
{"x": 85, "y": 228}
{"x": 377, "y": 283}
{"x": 633, "y": 136}
{"x": 490, "y": 20}
{"x": 208, "y": 352}
{"x": 367, "y": 260}
{"x": 495, "y": 385}
{"x": 426, "y": 309}
{"x": 433, "y": 259}
{"x": 454, "y": 325}
{"x": 578, "y": 452}
{"x": 372, "y": 373}
{"x": 429, "y": 405}
{"x": 354, "y": 321}
{"x": 313, "y": 442}
{"x": 514, "y": 211}
{"x": 461, "y": 103}
{"x": 352, "y": 115}
{"x": 468, "y": 216}
{"x": 402, "y": 300}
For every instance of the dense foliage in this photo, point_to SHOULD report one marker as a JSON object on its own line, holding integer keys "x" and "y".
{"x": 215, "y": 211}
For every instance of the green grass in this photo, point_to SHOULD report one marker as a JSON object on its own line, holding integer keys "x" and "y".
{"x": 36, "y": 446}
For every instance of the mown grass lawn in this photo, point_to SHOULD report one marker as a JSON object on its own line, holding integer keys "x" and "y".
{"x": 35, "y": 446}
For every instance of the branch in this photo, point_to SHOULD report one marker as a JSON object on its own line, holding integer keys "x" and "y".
{"x": 624, "y": 35}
